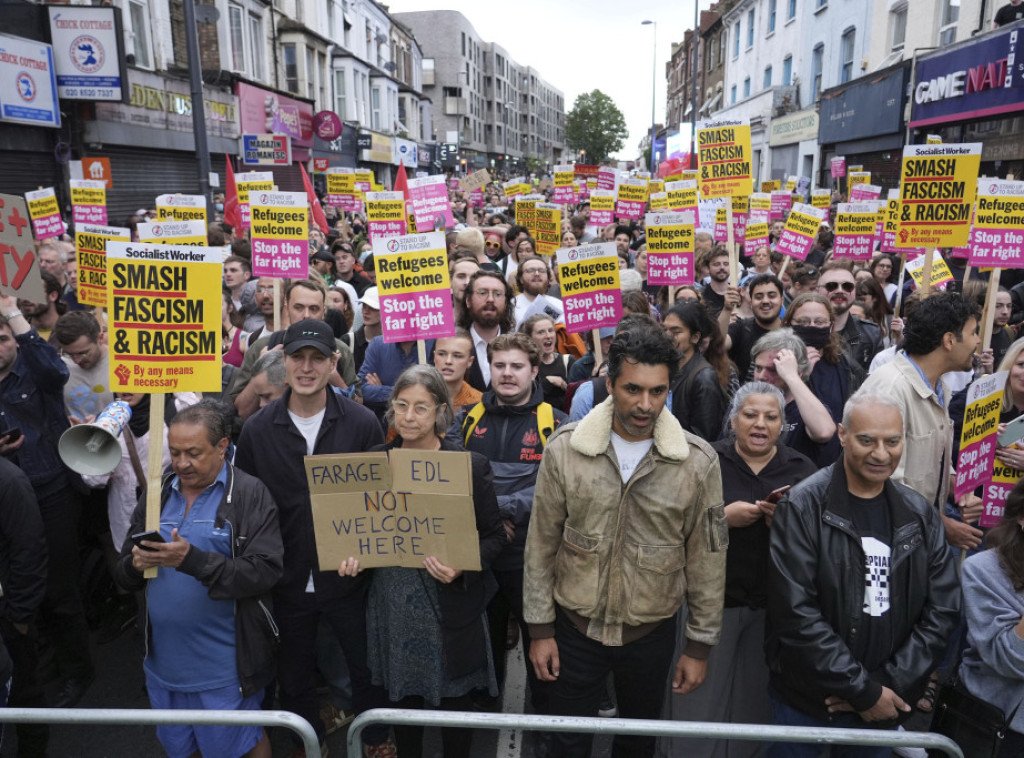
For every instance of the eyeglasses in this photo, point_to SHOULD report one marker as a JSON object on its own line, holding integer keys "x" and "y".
{"x": 527, "y": 271}
{"x": 493, "y": 294}
{"x": 265, "y": 289}
{"x": 401, "y": 407}
{"x": 494, "y": 245}
{"x": 833, "y": 286}
{"x": 811, "y": 322}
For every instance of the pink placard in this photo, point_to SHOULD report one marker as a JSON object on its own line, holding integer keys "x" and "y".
{"x": 669, "y": 269}
{"x": 858, "y": 247}
{"x": 417, "y": 315}
{"x": 429, "y": 197}
{"x": 89, "y": 214}
{"x": 379, "y": 229}
{"x": 606, "y": 178}
{"x": 999, "y": 248}
{"x": 631, "y": 209}
{"x": 782, "y": 201}
{"x": 838, "y": 167}
{"x": 591, "y": 292}
{"x": 861, "y": 192}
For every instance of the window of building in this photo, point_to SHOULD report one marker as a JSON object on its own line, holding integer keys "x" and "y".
{"x": 750, "y": 28}
{"x": 732, "y": 93}
{"x": 310, "y": 74}
{"x": 257, "y": 45}
{"x": 947, "y": 21}
{"x": 771, "y": 15}
{"x": 817, "y": 61}
{"x": 820, "y": 3}
{"x": 791, "y": 13}
{"x": 139, "y": 33}
{"x": 428, "y": 71}
{"x": 767, "y": 77}
{"x": 787, "y": 70}
{"x": 339, "y": 94}
{"x": 898, "y": 24}
{"x": 846, "y": 46}
{"x": 746, "y": 87}
{"x": 736, "y": 40}
{"x": 236, "y": 24}
{"x": 291, "y": 68}
{"x": 721, "y": 49}
{"x": 463, "y": 44}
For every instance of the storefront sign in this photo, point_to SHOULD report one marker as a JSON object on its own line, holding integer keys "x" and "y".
{"x": 415, "y": 291}
{"x": 262, "y": 111}
{"x": 266, "y": 150}
{"x": 28, "y": 86}
{"x": 327, "y": 126}
{"x": 87, "y": 52}
{"x": 870, "y": 106}
{"x": 794, "y": 127}
{"x": 379, "y": 150}
{"x": 404, "y": 152}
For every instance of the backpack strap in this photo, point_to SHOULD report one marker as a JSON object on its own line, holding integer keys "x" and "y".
{"x": 472, "y": 419}
{"x": 545, "y": 422}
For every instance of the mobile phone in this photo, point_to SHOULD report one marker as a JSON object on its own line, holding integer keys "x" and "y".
{"x": 776, "y": 495}
{"x": 11, "y": 435}
{"x": 151, "y": 536}
{"x": 1013, "y": 432}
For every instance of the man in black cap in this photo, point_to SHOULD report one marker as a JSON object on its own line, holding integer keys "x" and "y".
{"x": 323, "y": 263}
{"x": 311, "y": 419}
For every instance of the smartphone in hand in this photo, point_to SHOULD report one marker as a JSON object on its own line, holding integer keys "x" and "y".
{"x": 151, "y": 536}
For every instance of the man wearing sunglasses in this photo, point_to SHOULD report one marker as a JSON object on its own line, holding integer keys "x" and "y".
{"x": 863, "y": 338}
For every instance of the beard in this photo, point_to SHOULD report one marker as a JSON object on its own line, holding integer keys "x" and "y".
{"x": 487, "y": 319}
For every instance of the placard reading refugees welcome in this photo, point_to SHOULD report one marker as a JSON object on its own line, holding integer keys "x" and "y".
{"x": 88, "y": 201}
{"x": 415, "y": 291}
{"x": 978, "y": 434}
{"x": 45, "y": 213}
{"x": 394, "y": 508}
{"x": 181, "y": 207}
{"x": 997, "y": 236}
{"x": 670, "y": 238}
{"x": 164, "y": 311}
{"x": 280, "y": 234}
{"x": 385, "y": 214}
{"x": 591, "y": 292}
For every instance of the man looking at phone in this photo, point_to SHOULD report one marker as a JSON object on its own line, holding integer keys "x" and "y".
{"x": 829, "y": 667}
{"x": 217, "y": 553}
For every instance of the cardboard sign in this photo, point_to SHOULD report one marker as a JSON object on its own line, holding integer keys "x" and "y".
{"x": 861, "y": 192}
{"x": 251, "y": 181}
{"x": 838, "y": 167}
{"x": 565, "y": 187}
{"x": 45, "y": 212}
{"x": 163, "y": 306}
{"x": 670, "y": 248}
{"x": 724, "y": 157}
{"x": 630, "y": 198}
{"x": 91, "y": 253}
{"x": 547, "y": 228}
{"x": 940, "y": 271}
{"x": 770, "y": 185}
{"x": 280, "y": 234}
{"x": 782, "y": 201}
{"x": 602, "y": 207}
{"x": 19, "y": 268}
{"x": 173, "y": 233}
{"x": 997, "y": 236}
{"x": 430, "y": 202}
{"x": 938, "y": 185}
{"x": 591, "y": 292}
{"x": 978, "y": 434}
{"x": 476, "y": 180}
{"x": 88, "y": 201}
{"x": 800, "y": 232}
{"x": 266, "y": 150}
{"x": 394, "y": 509}
{"x": 385, "y": 215}
{"x": 682, "y": 196}
{"x": 415, "y": 291}
{"x": 1004, "y": 479}
{"x": 855, "y": 231}
{"x": 181, "y": 207}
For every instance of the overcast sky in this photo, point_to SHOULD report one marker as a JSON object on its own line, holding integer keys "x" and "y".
{"x": 581, "y": 46}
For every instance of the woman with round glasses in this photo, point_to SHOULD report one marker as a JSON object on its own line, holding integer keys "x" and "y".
{"x": 426, "y": 629}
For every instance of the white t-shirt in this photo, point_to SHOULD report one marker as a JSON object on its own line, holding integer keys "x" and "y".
{"x": 88, "y": 392}
{"x": 629, "y": 454}
{"x": 309, "y": 427}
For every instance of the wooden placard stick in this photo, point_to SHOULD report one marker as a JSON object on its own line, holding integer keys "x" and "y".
{"x": 154, "y": 468}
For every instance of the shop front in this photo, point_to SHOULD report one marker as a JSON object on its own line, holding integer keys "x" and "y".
{"x": 266, "y": 111}
{"x": 377, "y": 154}
{"x": 863, "y": 121}
{"x": 793, "y": 140}
{"x": 965, "y": 93}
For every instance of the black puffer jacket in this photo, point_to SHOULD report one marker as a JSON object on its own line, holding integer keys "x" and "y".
{"x": 816, "y": 596}
{"x": 246, "y": 577}
{"x": 698, "y": 400}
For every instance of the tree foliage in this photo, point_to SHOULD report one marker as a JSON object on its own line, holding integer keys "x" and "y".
{"x": 595, "y": 124}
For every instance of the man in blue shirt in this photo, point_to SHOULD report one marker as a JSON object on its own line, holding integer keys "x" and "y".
{"x": 211, "y": 637}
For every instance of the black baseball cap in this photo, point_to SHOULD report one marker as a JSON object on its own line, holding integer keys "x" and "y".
{"x": 310, "y": 332}
{"x": 322, "y": 255}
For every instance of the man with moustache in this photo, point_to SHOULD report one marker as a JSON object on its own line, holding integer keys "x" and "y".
{"x": 717, "y": 286}
{"x": 766, "y": 301}
{"x": 534, "y": 279}
{"x": 627, "y": 525}
{"x": 863, "y": 338}
{"x": 488, "y": 309}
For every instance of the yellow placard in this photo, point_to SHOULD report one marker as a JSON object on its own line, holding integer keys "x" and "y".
{"x": 791, "y": 184}
{"x": 632, "y": 191}
{"x": 740, "y": 205}
{"x": 682, "y": 195}
{"x": 669, "y": 237}
{"x": 689, "y": 175}
{"x": 821, "y": 198}
{"x": 940, "y": 271}
{"x": 91, "y": 253}
{"x": 341, "y": 184}
{"x": 181, "y": 207}
{"x": 565, "y": 179}
{"x": 858, "y": 177}
{"x": 89, "y": 195}
{"x": 655, "y": 185}
{"x": 724, "y": 158}
{"x": 602, "y": 202}
{"x": 770, "y": 185}
{"x": 594, "y": 275}
{"x": 164, "y": 317}
{"x": 418, "y": 264}
{"x": 44, "y": 206}
{"x": 659, "y": 201}
{"x": 547, "y": 228}
{"x": 389, "y": 208}
{"x": 938, "y": 184}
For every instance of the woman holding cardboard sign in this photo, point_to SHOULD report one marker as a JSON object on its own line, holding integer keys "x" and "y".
{"x": 427, "y": 628}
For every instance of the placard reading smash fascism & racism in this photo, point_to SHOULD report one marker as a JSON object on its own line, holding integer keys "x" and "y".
{"x": 164, "y": 311}
{"x": 394, "y": 509}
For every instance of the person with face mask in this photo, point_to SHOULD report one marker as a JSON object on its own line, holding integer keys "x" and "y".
{"x": 835, "y": 376}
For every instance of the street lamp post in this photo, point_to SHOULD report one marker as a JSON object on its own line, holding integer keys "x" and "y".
{"x": 654, "y": 83}
{"x": 693, "y": 80}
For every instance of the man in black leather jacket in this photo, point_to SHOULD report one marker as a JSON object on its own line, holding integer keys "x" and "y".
{"x": 863, "y": 595}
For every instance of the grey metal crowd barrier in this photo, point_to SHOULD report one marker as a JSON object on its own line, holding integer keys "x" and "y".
{"x": 90, "y": 716}
{"x": 648, "y": 727}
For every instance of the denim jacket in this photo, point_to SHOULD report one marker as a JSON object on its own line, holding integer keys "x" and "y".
{"x": 32, "y": 399}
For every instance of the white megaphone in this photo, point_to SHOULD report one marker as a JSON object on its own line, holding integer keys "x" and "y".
{"x": 93, "y": 448}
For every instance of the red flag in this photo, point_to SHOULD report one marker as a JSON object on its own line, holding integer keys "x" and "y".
{"x": 318, "y": 212}
{"x": 402, "y": 181}
{"x": 232, "y": 210}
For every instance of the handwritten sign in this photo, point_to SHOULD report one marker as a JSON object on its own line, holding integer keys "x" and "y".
{"x": 88, "y": 201}
{"x": 280, "y": 234}
{"x": 670, "y": 248}
{"x": 91, "y": 253}
{"x": 800, "y": 231}
{"x": 164, "y": 311}
{"x": 855, "y": 231}
{"x": 978, "y": 434}
{"x": 19, "y": 268}
{"x": 415, "y": 291}
{"x": 173, "y": 233}
{"x": 997, "y": 237}
{"x": 938, "y": 185}
{"x": 394, "y": 509}
{"x": 476, "y": 180}
{"x": 181, "y": 208}
{"x": 591, "y": 292}
{"x": 724, "y": 157}
{"x": 385, "y": 214}
{"x": 45, "y": 213}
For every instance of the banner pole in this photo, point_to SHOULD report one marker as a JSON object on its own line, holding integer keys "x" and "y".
{"x": 154, "y": 470}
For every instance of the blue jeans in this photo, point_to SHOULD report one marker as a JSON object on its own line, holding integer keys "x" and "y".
{"x": 783, "y": 715}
